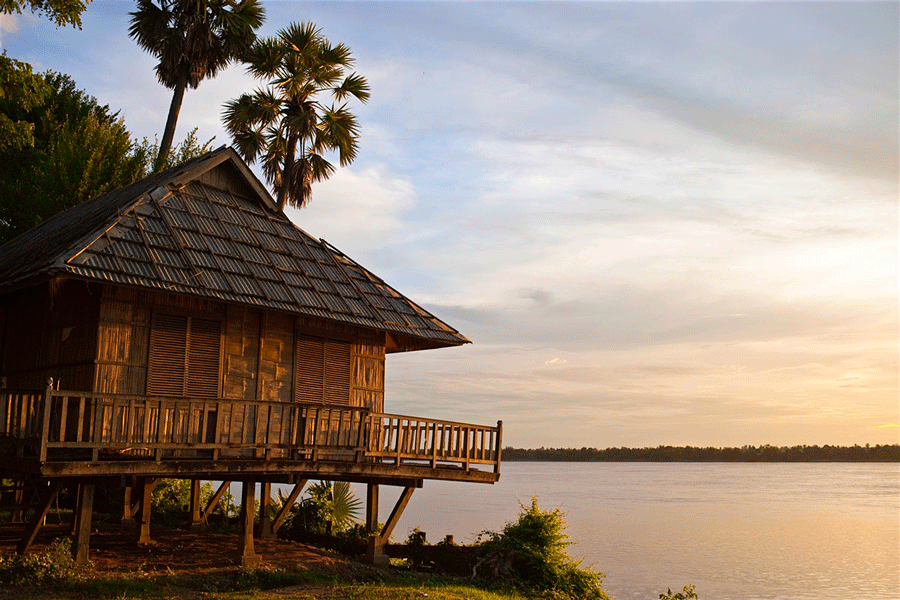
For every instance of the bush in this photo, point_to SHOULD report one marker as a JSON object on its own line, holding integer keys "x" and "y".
{"x": 686, "y": 594}
{"x": 55, "y": 564}
{"x": 531, "y": 553}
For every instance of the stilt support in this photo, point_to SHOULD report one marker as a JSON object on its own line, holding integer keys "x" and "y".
{"x": 248, "y": 554}
{"x": 372, "y": 507}
{"x": 39, "y": 516}
{"x": 197, "y": 518}
{"x": 83, "y": 523}
{"x": 145, "y": 487}
{"x": 288, "y": 503}
{"x": 265, "y": 502}
{"x": 214, "y": 501}
{"x": 375, "y": 552}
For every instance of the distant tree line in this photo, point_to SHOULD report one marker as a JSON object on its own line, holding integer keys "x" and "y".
{"x": 767, "y": 453}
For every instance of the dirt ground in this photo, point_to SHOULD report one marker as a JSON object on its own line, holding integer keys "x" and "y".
{"x": 186, "y": 553}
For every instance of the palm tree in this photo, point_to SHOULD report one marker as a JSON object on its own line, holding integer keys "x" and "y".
{"x": 193, "y": 40}
{"x": 285, "y": 123}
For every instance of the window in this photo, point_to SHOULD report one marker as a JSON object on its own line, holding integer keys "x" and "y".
{"x": 321, "y": 370}
{"x": 184, "y": 356}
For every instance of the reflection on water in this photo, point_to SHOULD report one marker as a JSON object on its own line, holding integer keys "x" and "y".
{"x": 738, "y": 531}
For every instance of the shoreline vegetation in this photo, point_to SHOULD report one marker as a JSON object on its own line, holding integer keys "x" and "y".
{"x": 793, "y": 454}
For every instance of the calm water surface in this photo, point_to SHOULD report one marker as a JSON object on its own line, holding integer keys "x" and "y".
{"x": 737, "y": 531}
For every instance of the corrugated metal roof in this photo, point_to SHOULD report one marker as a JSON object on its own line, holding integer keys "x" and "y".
{"x": 172, "y": 232}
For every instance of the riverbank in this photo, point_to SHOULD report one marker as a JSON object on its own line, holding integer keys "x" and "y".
{"x": 182, "y": 565}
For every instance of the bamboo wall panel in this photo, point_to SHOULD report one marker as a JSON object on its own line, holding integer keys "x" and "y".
{"x": 241, "y": 352}
{"x": 123, "y": 338}
{"x": 368, "y": 351}
{"x": 276, "y": 357}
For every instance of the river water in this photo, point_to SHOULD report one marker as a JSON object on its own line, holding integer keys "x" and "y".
{"x": 738, "y": 531}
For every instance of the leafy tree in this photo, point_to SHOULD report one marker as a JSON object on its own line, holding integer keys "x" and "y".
{"x": 61, "y": 12}
{"x": 531, "y": 553}
{"x": 65, "y": 147}
{"x": 193, "y": 40}
{"x": 60, "y": 147}
{"x": 285, "y": 124}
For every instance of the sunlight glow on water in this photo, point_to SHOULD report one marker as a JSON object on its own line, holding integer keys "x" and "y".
{"x": 738, "y": 531}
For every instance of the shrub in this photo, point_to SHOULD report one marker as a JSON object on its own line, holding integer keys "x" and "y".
{"x": 686, "y": 594}
{"x": 531, "y": 553}
{"x": 54, "y": 564}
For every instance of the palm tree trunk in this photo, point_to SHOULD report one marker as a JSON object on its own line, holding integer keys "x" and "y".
{"x": 169, "y": 133}
{"x": 287, "y": 172}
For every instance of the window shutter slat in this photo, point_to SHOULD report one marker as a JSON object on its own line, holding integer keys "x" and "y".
{"x": 168, "y": 343}
{"x": 337, "y": 372}
{"x": 204, "y": 348}
{"x": 309, "y": 360}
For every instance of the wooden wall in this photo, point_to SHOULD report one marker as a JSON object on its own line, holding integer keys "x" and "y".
{"x": 258, "y": 348}
{"x": 50, "y": 331}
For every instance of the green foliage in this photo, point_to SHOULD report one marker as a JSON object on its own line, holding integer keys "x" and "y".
{"x": 53, "y": 565}
{"x": 171, "y": 500}
{"x": 335, "y": 506}
{"x": 266, "y": 578}
{"x": 530, "y": 553}
{"x": 189, "y": 148}
{"x": 686, "y": 594}
{"x": 61, "y": 12}
{"x": 62, "y": 147}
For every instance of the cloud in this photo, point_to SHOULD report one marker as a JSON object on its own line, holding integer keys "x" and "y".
{"x": 357, "y": 208}
{"x": 9, "y": 24}
{"x": 887, "y": 426}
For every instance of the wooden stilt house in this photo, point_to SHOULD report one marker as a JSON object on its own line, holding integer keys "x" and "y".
{"x": 183, "y": 327}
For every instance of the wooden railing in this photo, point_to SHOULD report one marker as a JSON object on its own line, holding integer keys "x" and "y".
{"x": 57, "y": 425}
{"x": 411, "y": 440}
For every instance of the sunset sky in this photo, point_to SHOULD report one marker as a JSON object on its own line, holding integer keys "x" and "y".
{"x": 670, "y": 223}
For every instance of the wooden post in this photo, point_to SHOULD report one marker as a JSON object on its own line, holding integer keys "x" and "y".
{"x": 145, "y": 485}
{"x": 39, "y": 516}
{"x": 375, "y": 550}
{"x": 265, "y": 519}
{"x": 83, "y": 524}
{"x": 45, "y": 421}
{"x": 127, "y": 508}
{"x": 372, "y": 507}
{"x": 249, "y": 557}
{"x": 499, "y": 446}
{"x": 197, "y": 520}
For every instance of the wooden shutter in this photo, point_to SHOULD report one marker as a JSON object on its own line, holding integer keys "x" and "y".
{"x": 204, "y": 349}
{"x": 309, "y": 368}
{"x": 337, "y": 372}
{"x": 184, "y": 356}
{"x": 321, "y": 370}
{"x": 168, "y": 350}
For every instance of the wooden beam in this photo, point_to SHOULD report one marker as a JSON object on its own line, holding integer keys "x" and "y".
{"x": 249, "y": 558}
{"x": 83, "y": 513}
{"x": 389, "y": 525}
{"x": 214, "y": 501}
{"x": 145, "y": 486}
{"x": 371, "y": 507}
{"x": 196, "y": 513}
{"x": 288, "y": 503}
{"x": 39, "y": 516}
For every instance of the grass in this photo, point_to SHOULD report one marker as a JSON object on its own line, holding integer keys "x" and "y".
{"x": 248, "y": 584}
